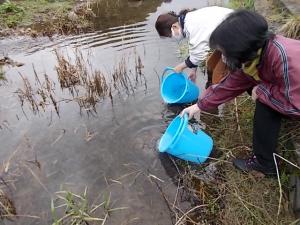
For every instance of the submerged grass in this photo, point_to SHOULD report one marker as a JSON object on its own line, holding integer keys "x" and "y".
{"x": 70, "y": 208}
{"x": 39, "y": 94}
{"x": 2, "y": 75}
{"x": 7, "y": 207}
{"x": 74, "y": 209}
{"x": 86, "y": 86}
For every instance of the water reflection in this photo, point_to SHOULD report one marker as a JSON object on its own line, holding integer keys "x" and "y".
{"x": 117, "y": 13}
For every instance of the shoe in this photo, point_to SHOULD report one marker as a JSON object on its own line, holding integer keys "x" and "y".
{"x": 252, "y": 164}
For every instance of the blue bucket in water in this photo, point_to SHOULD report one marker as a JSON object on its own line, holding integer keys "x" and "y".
{"x": 177, "y": 88}
{"x": 179, "y": 141}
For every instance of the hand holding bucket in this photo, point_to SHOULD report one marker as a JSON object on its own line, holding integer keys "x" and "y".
{"x": 191, "y": 111}
{"x": 179, "y": 141}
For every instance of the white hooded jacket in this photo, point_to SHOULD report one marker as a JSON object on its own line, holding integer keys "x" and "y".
{"x": 198, "y": 26}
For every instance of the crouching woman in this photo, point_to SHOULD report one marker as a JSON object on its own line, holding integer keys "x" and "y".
{"x": 267, "y": 63}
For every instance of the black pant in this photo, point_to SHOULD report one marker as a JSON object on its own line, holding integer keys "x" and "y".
{"x": 266, "y": 127}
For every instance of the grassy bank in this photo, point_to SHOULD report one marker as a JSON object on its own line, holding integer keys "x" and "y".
{"x": 248, "y": 198}
{"x": 225, "y": 195}
{"x": 26, "y": 12}
{"x": 230, "y": 196}
{"x": 43, "y": 17}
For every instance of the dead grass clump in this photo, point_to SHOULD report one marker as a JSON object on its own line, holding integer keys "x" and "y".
{"x": 8, "y": 61}
{"x": 86, "y": 86}
{"x": 28, "y": 95}
{"x": 292, "y": 28}
{"x": 64, "y": 21}
{"x": 7, "y": 207}
{"x": 38, "y": 96}
{"x": 89, "y": 87}
{"x": 254, "y": 200}
{"x": 123, "y": 78}
{"x": 67, "y": 73}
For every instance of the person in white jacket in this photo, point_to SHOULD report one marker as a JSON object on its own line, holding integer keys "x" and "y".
{"x": 196, "y": 26}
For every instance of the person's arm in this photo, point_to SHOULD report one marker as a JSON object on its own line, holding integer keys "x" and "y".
{"x": 193, "y": 74}
{"x": 230, "y": 87}
{"x": 180, "y": 67}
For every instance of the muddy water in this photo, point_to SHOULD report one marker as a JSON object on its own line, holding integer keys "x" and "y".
{"x": 111, "y": 151}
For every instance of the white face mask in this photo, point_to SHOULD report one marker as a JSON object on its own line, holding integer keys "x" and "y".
{"x": 177, "y": 37}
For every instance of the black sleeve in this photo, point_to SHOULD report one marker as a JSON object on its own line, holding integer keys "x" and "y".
{"x": 189, "y": 64}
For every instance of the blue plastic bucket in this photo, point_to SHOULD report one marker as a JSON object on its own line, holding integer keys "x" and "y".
{"x": 177, "y": 88}
{"x": 179, "y": 141}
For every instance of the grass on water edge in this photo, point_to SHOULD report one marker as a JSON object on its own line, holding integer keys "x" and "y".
{"x": 285, "y": 23}
{"x": 72, "y": 208}
{"x": 2, "y": 74}
{"x": 249, "y": 198}
{"x": 45, "y": 17}
{"x": 23, "y": 13}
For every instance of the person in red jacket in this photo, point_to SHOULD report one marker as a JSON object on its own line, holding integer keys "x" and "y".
{"x": 265, "y": 62}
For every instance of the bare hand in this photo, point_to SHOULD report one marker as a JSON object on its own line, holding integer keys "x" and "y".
{"x": 254, "y": 95}
{"x": 192, "y": 75}
{"x": 191, "y": 111}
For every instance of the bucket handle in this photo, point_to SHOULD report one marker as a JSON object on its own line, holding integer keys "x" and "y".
{"x": 167, "y": 70}
{"x": 171, "y": 69}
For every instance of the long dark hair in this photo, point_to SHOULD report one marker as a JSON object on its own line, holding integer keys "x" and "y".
{"x": 165, "y": 21}
{"x": 240, "y": 36}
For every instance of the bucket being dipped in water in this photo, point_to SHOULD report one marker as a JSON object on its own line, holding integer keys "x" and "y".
{"x": 177, "y": 88}
{"x": 179, "y": 141}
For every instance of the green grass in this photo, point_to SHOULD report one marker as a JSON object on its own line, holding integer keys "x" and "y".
{"x": 11, "y": 14}
{"x": 71, "y": 208}
{"x": 2, "y": 74}
{"x": 245, "y": 4}
{"x": 26, "y": 12}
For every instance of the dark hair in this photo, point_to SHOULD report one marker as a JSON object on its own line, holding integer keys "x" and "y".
{"x": 165, "y": 21}
{"x": 240, "y": 36}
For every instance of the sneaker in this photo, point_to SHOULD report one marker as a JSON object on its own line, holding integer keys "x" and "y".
{"x": 252, "y": 164}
